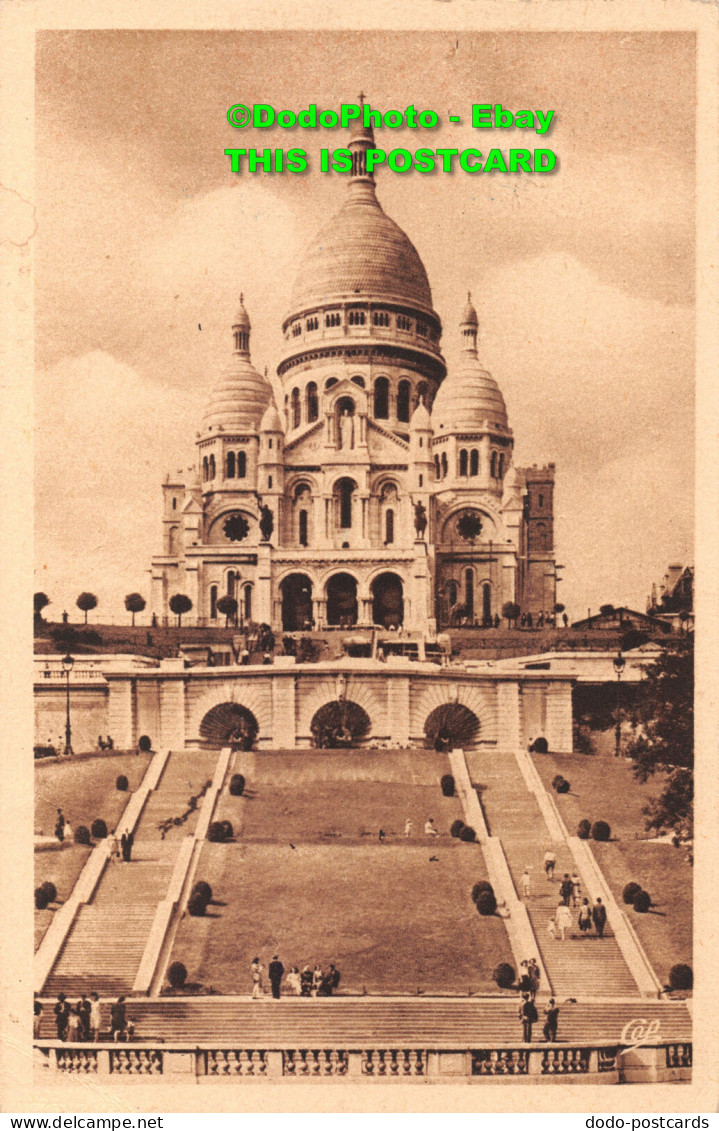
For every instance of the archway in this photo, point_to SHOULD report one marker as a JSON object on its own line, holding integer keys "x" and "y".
{"x": 229, "y": 724}
{"x": 342, "y": 600}
{"x": 341, "y": 723}
{"x": 296, "y": 593}
{"x": 387, "y": 600}
{"x": 450, "y": 725}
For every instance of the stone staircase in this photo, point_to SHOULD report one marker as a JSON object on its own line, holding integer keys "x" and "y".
{"x": 581, "y": 966}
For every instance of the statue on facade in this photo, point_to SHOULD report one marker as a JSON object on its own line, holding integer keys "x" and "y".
{"x": 346, "y": 431}
{"x": 420, "y": 519}
{"x": 267, "y": 522}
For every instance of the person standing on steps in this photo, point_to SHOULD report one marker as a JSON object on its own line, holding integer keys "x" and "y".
{"x": 551, "y": 1018}
{"x": 550, "y": 861}
{"x": 534, "y": 977}
{"x": 256, "y": 969}
{"x": 62, "y": 1011}
{"x": 576, "y": 889}
{"x": 95, "y": 1017}
{"x": 275, "y": 971}
{"x": 563, "y": 919}
{"x": 527, "y": 1015}
{"x": 526, "y": 883}
{"x": 585, "y": 916}
{"x": 599, "y": 917}
{"x": 566, "y": 889}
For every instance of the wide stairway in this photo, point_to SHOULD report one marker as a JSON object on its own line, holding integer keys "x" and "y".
{"x": 105, "y": 945}
{"x": 581, "y": 966}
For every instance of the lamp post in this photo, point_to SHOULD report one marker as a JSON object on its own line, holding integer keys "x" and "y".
{"x": 619, "y": 663}
{"x": 67, "y": 664}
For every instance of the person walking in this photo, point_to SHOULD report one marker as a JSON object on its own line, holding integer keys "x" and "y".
{"x": 551, "y": 1017}
{"x": 95, "y": 1017}
{"x": 60, "y": 826}
{"x": 526, "y": 883}
{"x": 585, "y": 916}
{"x": 408, "y": 827}
{"x": 275, "y": 971}
{"x": 599, "y": 917}
{"x": 525, "y": 982}
{"x": 576, "y": 889}
{"x": 552, "y": 929}
{"x": 118, "y": 1019}
{"x": 550, "y": 861}
{"x": 535, "y": 976}
{"x": 130, "y": 842}
{"x": 527, "y": 1015}
{"x": 256, "y": 970}
{"x": 62, "y": 1010}
{"x": 563, "y": 919}
{"x": 565, "y": 889}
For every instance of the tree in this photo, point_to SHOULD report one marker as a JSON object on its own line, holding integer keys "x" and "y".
{"x": 511, "y": 611}
{"x": 606, "y": 610}
{"x": 664, "y": 739}
{"x": 180, "y": 604}
{"x": 86, "y": 602}
{"x": 559, "y": 607}
{"x": 134, "y": 603}
{"x": 228, "y": 607}
{"x": 40, "y": 601}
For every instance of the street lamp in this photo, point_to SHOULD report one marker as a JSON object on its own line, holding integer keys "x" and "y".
{"x": 67, "y": 664}
{"x": 619, "y": 663}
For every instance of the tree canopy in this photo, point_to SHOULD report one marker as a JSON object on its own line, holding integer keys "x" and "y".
{"x": 511, "y": 610}
{"x": 134, "y": 603}
{"x": 180, "y": 604}
{"x": 40, "y": 601}
{"x": 227, "y": 606}
{"x": 86, "y": 602}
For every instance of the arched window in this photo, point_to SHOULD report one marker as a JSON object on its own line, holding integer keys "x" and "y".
{"x": 463, "y": 462}
{"x": 212, "y": 467}
{"x": 452, "y": 589}
{"x": 248, "y": 602}
{"x": 444, "y": 465}
{"x": 230, "y": 465}
{"x": 296, "y": 408}
{"x": 358, "y": 381}
{"x": 436, "y": 467}
{"x": 494, "y": 465}
{"x": 205, "y": 469}
{"x": 403, "y": 392}
{"x": 312, "y": 407}
{"x": 500, "y": 471}
{"x": 388, "y": 527}
{"x": 381, "y": 398}
{"x": 474, "y": 462}
{"x": 241, "y": 465}
{"x": 422, "y": 392}
{"x": 330, "y": 382}
{"x": 213, "y": 602}
{"x": 303, "y": 528}
{"x": 231, "y": 579}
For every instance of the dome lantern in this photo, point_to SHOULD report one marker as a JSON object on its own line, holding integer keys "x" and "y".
{"x": 241, "y": 329}
{"x": 469, "y": 326}
{"x": 240, "y": 396}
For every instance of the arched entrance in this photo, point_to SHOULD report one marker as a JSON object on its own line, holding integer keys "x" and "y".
{"x": 342, "y": 600}
{"x": 296, "y": 593}
{"x": 450, "y": 725}
{"x": 341, "y": 723}
{"x": 229, "y": 724}
{"x": 387, "y": 600}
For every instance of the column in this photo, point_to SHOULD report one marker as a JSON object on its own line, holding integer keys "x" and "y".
{"x": 418, "y": 597}
{"x": 398, "y": 709}
{"x": 508, "y": 735}
{"x": 120, "y": 713}
{"x": 559, "y": 716}
{"x": 283, "y": 711}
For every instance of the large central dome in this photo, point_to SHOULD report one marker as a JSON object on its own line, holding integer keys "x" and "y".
{"x": 361, "y": 252}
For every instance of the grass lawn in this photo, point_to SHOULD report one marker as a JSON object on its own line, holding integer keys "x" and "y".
{"x": 62, "y": 866}
{"x": 85, "y": 789}
{"x": 388, "y": 918}
{"x": 605, "y": 789}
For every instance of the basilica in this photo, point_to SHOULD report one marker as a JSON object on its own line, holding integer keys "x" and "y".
{"x": 381, "y": 490}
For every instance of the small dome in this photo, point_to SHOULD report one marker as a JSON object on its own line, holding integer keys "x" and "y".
{"x": 421, "y": 417}
{"x": 271, "y": 420}
{"x": 469, "y": 314}
{"x": 242, "y": 318}
{"x": 469, "y": 400}
{"x": 239, "y": 398}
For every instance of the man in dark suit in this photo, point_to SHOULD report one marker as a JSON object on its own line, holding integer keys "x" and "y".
{"x": 565, "y": 889}
{"x": 551, "y": 1017}
{"x": 275, "y": 971}
{"x": 527, "y": 1015}
{"x": 599, "y": 917}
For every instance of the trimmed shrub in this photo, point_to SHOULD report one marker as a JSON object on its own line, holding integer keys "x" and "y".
{"x": 41, "y": 900}
{"x": 196, "y": 905}
{"x": 642, "y": 902}
{"x": 584, "y": 828}
{"x": 237, "y": 785}
{"x": 216, "y": 832}
{"x": 479, "y": 887}
{"x": 563, "y": 786}
{"x": 50, "y": 890}
{"x": 467, "y": 834}
{"x": 99, "y": 829}
{"x": 447, "y": 785}
{"x": 504, "y": 975}
{"x": 601, "y": 831}
{"x": 681, "y": 977}
{"x": 82, "y": 835}
{"x": 229, "y": 831}
{"x": 177, "y": 975}
{"x": 486, "y": 903}
{"x": 456, "y": 827}
{"x": 145, "y": 743}
{"x": 557, "y": 781}
{"x": 539, "y": 746}
{"x": 203, "y": 889}
{"x": 121, "y": 783}
{"x": 631, "y": 892}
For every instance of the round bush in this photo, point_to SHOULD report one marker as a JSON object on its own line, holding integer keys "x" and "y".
{"x": 467, "y": 834}
{"x": 681, "y": 977}
{"x": 557, "y": 781}
{"x": 177, "y": 975}
{"x": 631, "y": 892}
{"x": 584, "y": 828}
{"x": 486, "y": 903}
{"x": 601, "y": 831}
{"x": 237, "y": 785}
{"x": 456, "y": 827}
{"x": 99, "y": 829}
{"x": 203, "y": 889}
{"x": 50, "y": 890}
{"x": 541, "y": 746}
{"x": 504, "y": 975}
{"x": 196, "y": 904}
{"x": 479, "y": 887}
{"x": 642, "y": 902}
{"x": 145, "y": 743}
{"x": 121, "y": 783}
{"x": 447, "y": 785}
{"x": 229, "y": 831}
{"x": 41, "y": 900}
{"x": 216, "y": 832}
{"x": 82, "y": 835}
{"x": 563, "y": 786}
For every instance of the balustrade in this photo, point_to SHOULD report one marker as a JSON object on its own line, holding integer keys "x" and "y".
{"x": 559, "y": 1062}
{"x": 136, "y": 1062}
{"x": 679, "y": 1056}
{"x": 607, "y": 1060}
{"x": 314, "y": 1062}
{"x": 393, "y": 1062}
{"x": 236, "y": 1062}
{"x": 500, "y": 1062}
{"x": 77, "y": 1061}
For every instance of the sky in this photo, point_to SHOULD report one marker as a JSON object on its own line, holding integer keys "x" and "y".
{"x": 583, "y": 279}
